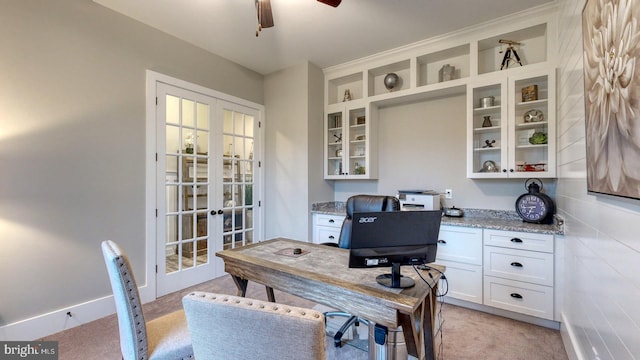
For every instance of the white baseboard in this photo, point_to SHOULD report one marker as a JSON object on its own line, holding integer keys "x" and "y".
{"x": 551, "y": 324}
{"x": 50, "y": 323}
{"x": 46, "y": 324}
{"x": 569, "y": 340}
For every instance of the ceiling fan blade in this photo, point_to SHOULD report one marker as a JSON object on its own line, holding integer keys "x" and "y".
{"x": 333, "y": 3}
{"x": 265, "y": 17}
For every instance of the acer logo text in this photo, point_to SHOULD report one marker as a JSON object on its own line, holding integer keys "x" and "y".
{"x": 367, "y": 219}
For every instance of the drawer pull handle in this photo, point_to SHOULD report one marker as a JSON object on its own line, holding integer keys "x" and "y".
{"x": 331, "y": 220}
{"x": 516, "y": 264}
{"x": 442, "y": 242}
{"x": 516, "y": 296}
{"x": 331, "y": 237}
{"x": 516, "y": 240}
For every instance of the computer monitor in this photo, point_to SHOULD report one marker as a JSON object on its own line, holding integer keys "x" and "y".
{"x": 393, "y": 239}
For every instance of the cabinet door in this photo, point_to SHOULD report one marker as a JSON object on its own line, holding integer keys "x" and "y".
{"x": 532, "y": 129}
{"x": 349, "y": 149}
{"x": 487, "y": 129}
{"x": 334, "y": 144}
{"x": 464, "y": 281}
{"x": 460, "y": 244}
{"x": 514, "y": 137}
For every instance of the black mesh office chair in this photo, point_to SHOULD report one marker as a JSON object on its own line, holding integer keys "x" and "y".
{"x": 358, "y": 203}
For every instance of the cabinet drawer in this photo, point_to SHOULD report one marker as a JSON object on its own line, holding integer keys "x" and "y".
{"x": 519, "y": 240}
{"x": 329, "y": 220}
{"x": 460, "y": 244}
{"x": 464, "y": 281}
{"x": 327, "y": 235}
{"x": 530, "y": 266}
{"x": 530, "y": 299}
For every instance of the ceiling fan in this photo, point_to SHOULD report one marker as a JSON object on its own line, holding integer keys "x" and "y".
{"x": 265, "y": 17}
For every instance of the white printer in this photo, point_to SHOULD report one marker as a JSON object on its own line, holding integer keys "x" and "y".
{"x": 418, "y": 200}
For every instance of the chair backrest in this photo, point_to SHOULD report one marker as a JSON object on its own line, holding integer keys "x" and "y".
{"x": 131, "y": 323}
{"x": 230, "y": 327}
{"x": 364, "y": 203}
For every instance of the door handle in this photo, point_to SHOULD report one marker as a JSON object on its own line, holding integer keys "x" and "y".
{"x": 516, "y": 296}
{"x": 516, "y": 240}
{"x": 516, "y": 264}
{"x": 214, "y": 212}
{"x": 442, "y": 242}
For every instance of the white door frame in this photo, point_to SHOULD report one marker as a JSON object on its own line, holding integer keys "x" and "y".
{"x": 148, "y": 282}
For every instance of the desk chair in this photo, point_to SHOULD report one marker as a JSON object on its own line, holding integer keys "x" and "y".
{"x": 230, "y": 327}
{"x": 358, "y": 203}
{"x": 166, "y": 337}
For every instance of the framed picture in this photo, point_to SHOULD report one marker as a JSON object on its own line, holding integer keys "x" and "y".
{"x": 611, "y": 55}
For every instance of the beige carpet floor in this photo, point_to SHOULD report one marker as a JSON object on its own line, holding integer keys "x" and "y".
{"x": 466, "y": 334}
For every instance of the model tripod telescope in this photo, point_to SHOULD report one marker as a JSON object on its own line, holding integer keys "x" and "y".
{"x": 509, "y": 52}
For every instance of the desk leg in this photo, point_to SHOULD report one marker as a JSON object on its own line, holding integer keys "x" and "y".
{"x": 428, "y": 322}
{"x": 418, "y": 329}
{"x": 270, "y": 296}
{"x": 241, "y": 284}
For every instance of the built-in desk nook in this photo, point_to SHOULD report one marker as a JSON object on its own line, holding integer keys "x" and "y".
{"x": 495, "y": 262}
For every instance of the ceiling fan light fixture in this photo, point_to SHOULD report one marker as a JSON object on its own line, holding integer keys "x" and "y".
{"x": 265, "y": 17}
{"x": 333, "y": 3}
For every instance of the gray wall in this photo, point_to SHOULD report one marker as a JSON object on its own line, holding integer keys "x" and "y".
{"x": 422, "y": 145}
{"x": 72, "y": 114}
{"x": 293, "y": 102}
{"x": 602, "y": 236}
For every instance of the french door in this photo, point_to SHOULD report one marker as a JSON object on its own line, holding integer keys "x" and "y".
{"x": 205, "y": 184}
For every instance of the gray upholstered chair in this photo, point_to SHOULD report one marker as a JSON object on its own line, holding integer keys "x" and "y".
{"x": 166, "y": 337}
{"x": 358, "y": 203}
{"x": 227, "y": 327}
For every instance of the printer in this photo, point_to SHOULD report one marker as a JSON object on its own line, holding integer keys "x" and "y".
{"x": 418, "y": 200}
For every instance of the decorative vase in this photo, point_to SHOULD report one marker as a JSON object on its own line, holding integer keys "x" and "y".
{"x": 391, "y": 81}
{"x": 487, "y": 121}
{"x": 446, "y": 73}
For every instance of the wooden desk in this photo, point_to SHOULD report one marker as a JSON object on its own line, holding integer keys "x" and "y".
{"x": 321, "y": 274}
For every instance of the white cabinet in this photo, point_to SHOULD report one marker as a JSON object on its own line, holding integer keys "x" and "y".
{"x": 460, "y": 250}
{"x": 469, "y": 61}
{"x": 519, "y": 272}
{"x": 326, "y": 228}
{"x": 349, "y": 139}
{"x": 515, "y": 135}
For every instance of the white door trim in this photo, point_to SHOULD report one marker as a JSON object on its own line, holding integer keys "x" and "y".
{"x": 147, "y": 283}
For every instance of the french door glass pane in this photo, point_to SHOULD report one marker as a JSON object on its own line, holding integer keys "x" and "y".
{"x": 173, "y": 110}
{"x": 237, "y": 147}
{"x": 187, "y": 183}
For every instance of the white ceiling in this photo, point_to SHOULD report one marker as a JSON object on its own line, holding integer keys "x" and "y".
{"x": 306, "y": 30}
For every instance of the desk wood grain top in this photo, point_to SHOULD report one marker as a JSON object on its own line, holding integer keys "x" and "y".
{"x": 322, "y": 274}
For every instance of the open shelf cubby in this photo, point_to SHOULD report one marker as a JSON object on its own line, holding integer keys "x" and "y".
{"x": 533, "y": 48}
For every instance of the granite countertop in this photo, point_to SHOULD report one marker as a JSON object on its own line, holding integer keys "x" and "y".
{"x": 478, "y": 218}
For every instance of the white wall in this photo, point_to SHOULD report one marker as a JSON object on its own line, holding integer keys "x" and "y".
{"x": 293, "y": 114}
{"x": 601, "y": 317}
{"x": 422, "y": 145}
{"x": 319, "y": 189}
{"x": 72, "y": 145}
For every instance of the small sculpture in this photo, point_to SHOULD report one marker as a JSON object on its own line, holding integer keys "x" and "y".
{"x": 347, "y": 95}
{"x": 489, "y": 143}
{"x": 487, "y": 121}
{"x": 391, "y": 81}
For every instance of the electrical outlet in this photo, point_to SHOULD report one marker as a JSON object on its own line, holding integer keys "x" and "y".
{"x": 448, "y": 194}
